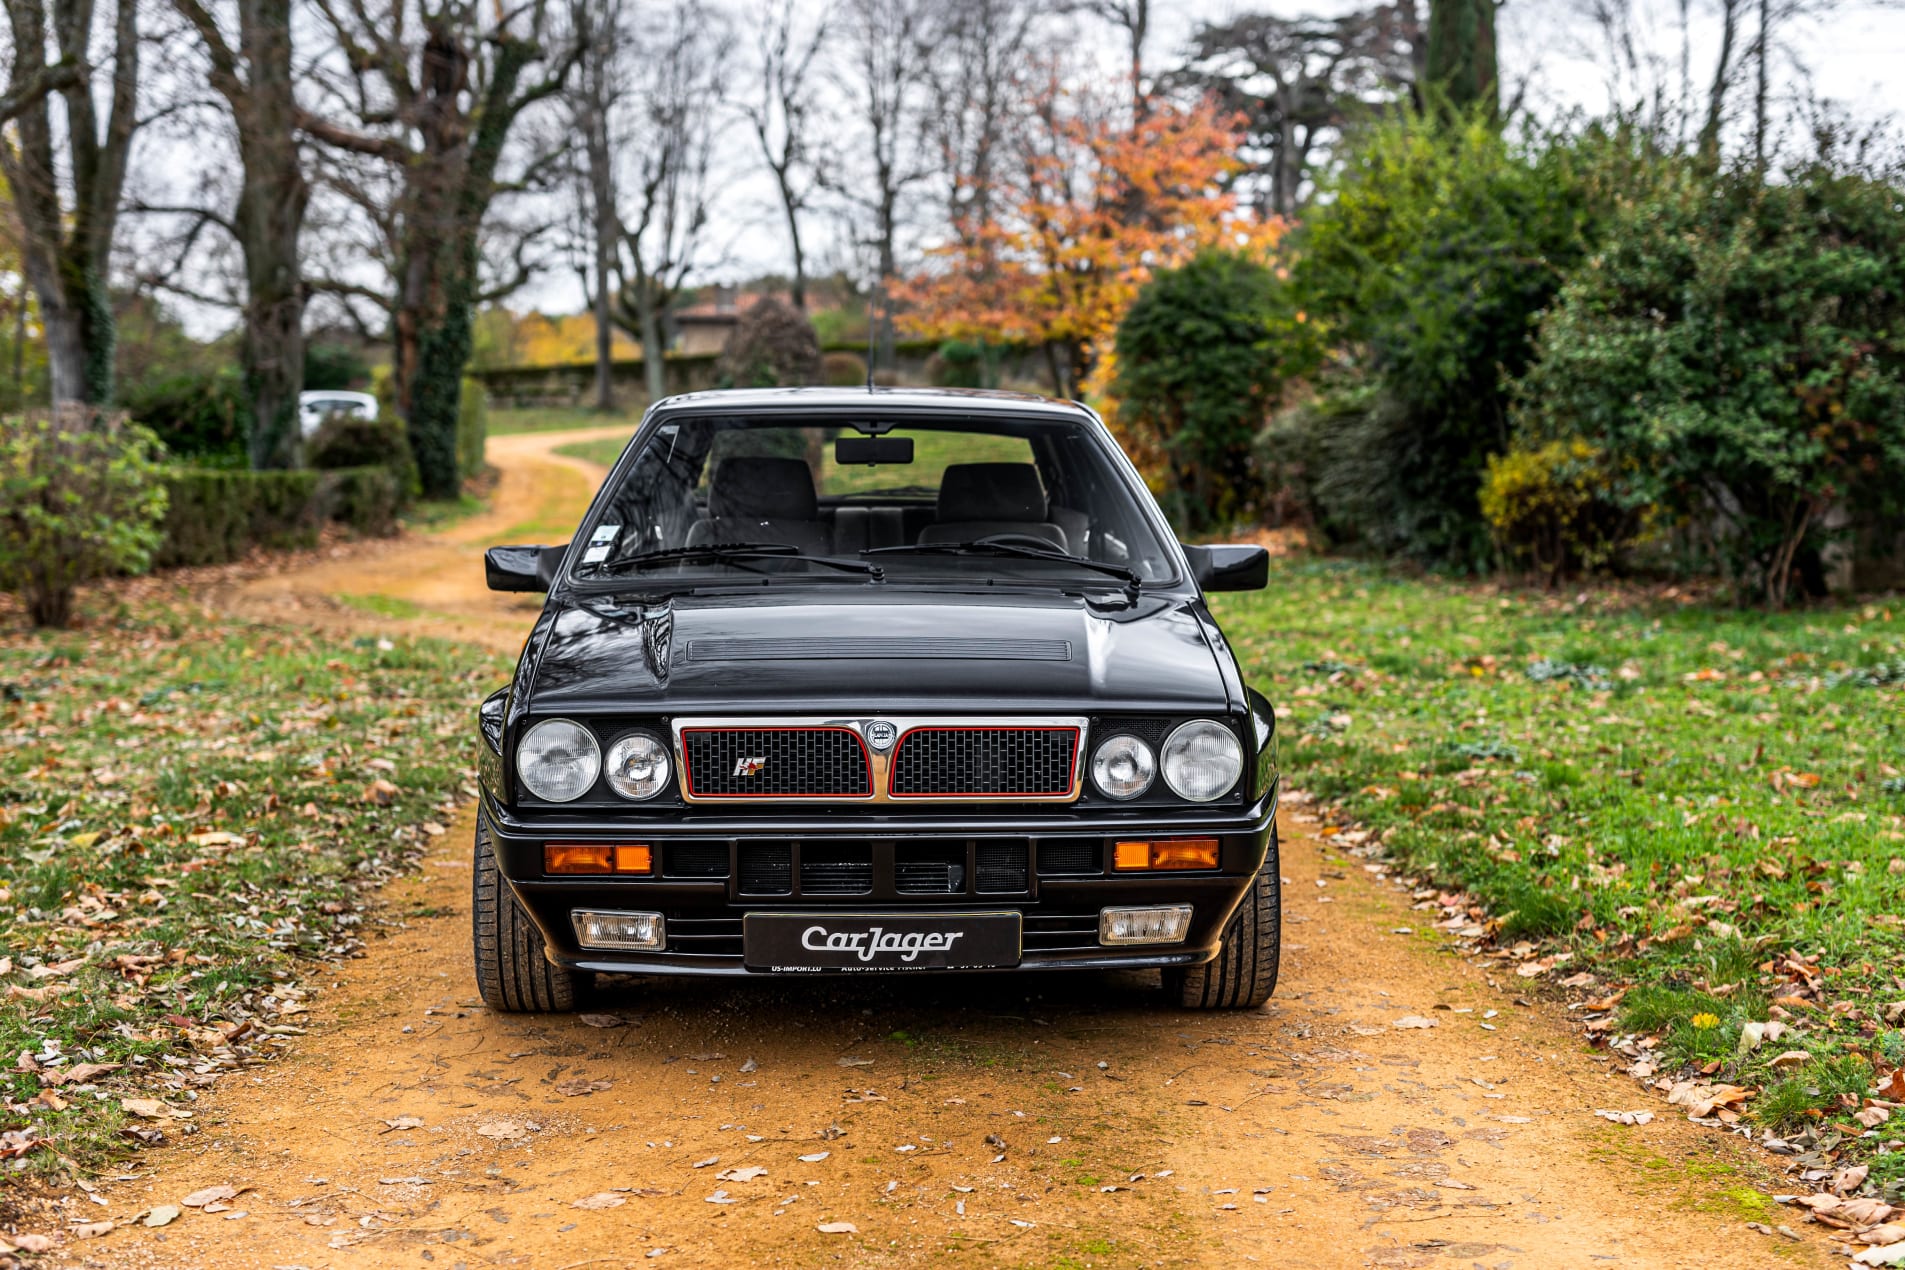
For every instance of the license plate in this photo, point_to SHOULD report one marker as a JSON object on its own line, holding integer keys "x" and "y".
{"x": 879, "y": 941}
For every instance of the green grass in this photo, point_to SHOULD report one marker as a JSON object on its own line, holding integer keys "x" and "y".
{"x": 1703, "y": 805}
{"x": 382, "y": 605}
{"x": 603, "y": 452}
{"x": 507, "y": 422}
{"x": 190, "y": 808}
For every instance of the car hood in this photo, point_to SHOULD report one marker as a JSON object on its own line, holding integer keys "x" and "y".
{"x": 792, "y": 652}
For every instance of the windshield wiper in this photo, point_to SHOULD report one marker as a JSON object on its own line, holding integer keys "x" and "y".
{"x": 981, "y": 547}
{"x": 737, "y": 554}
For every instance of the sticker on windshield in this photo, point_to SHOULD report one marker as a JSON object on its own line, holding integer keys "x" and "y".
{"x": 604, "y": 533}
{"x": 596, "y": 554}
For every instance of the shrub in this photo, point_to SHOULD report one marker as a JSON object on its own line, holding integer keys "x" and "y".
{"x": 843, "y": 370}
{"x": 1423, "y": 270}
{"x": 472, "y": 428}
{"x": 364, "y": 499}
{"x": 80, "y": 499}
{"x": 1560, "y": 507}
{"x": 1196, "y": 378}
{"x": 1739, "y": 343}
{"x": 201, "y": 417}
{"x": 333, "y": 366}
{"x": 959, "y": 364}
{"x": 772, "y": 345}
{"x": 214, "y": 516}
{"x": 348, "y": 440}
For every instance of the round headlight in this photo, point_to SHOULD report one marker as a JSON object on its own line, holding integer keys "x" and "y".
{"x": 558, "y": 760}
{"x": 1123, "y": 767}
{"x": 638, "y": 766}
{"x": 1202, "y": 760}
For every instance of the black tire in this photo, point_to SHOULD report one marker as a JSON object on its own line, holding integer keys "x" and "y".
{"x": 512, "y": 972}
{"x": 1244, "y": 973}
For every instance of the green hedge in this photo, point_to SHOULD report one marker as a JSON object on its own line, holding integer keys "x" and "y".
{"x": 214, "y": 516}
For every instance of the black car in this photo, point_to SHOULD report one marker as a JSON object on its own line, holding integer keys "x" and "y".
{"x": 833, "y": 681}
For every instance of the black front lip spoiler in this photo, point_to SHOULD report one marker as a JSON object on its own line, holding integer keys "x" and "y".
{"x": 663, "y": 964}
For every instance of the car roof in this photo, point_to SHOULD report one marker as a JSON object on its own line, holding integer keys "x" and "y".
{"x": 961, "y": 399}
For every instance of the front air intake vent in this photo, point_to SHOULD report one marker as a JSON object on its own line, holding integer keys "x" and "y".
{"x": 767, "y": 868}
{"x": 835, "y": 869}
{"x": 1070, "y": 857}
{"x": 1000, "y": 867}
{"x": 695, "y": 860}
{"x": 929, "y": 870}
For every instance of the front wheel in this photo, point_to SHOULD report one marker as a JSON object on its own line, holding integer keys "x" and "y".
{"x": 1244, "y": 973}
{"x": 512, "y": 973}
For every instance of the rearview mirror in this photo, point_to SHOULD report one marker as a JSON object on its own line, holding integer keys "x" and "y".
{"x": 850, "y": 450}
{"x": 1229, "y": 568}
{"x": 522, "y": 568}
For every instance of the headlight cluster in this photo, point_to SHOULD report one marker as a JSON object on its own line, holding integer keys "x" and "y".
{"x": 559, "y": 760}
{"x": 1201, "y": 762}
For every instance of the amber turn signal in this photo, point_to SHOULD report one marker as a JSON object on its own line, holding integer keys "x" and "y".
{"x": 576, "y": 858}
{"x": 1168, "y": 853}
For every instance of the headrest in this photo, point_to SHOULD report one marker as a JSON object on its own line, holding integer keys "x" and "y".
{"x": 991, "y": 491}
{"x": 763, "y": 488}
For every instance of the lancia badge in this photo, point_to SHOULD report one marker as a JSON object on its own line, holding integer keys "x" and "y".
{"x": 881, "y": 734}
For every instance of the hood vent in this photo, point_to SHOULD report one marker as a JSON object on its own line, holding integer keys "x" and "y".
{"x": 844, "y": 648}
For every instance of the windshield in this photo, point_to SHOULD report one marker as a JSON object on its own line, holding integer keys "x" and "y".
{"x": 1000, "y": 498}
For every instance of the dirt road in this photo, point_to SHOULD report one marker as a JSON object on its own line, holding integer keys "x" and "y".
{"x": 1065, "y": 1121}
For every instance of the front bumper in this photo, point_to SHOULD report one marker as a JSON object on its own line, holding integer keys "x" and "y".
{"x": 1059, "y": 905}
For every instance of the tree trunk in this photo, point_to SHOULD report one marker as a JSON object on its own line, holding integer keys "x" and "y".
{"x": 65, "y": 352}
{"x": 654, "y": 368}
{"x": 798, "y": 292}
{"x": 1709, "y": 145}
{"x": 606, "y": 229}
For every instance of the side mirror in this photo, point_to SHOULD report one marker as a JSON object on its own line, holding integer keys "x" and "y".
{"x": 1229, "y": 568}
{"x": 522, "y": 568}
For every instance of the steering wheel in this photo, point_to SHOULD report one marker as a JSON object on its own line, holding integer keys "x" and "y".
{"x": 1022, "y": 540}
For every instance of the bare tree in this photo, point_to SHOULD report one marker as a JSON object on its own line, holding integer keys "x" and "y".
{"x": 884, "y": 52}
{"x": 1297, "y": 81}
{"x": 254, "y": 77}
{"x": 1133, "y": 18}
{"x": 781, "y": 113}
{"x": 1725, "y": 66}
{"x": 436, "y": 91}
{"x": 68, "y": 218}
{"x": 983, "y": 52}
{"x": 675, "y": 123}
{"x": 593, "y": 97}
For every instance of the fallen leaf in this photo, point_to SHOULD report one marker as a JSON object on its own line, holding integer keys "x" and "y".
{"x": 750, "y": 1066}
{"x": 501, "y": 1130}
{"x": 1412, "y": 1021}
{"x": 719, "y": 1197}
{"x": 747, "y": 1174}
{"x": 601, "y": 1199}
{"x": 210, "y": 1195}
{"x": 603, "y": 1020}
{"x": 815, "y": 1158}
{"x": 1889, "y": 1256}
{"x": 837, "y": 1228}
{"x": 1792, "y": 1058}
{"x": 582, "y": 1085}
{"x": 1872, "y": 1117}
{"x": 163, "y": 1215}
{"x": 152, "y": 1109}
{"x": 1625, "y": 1117}
{"x": 702, "y": 1164}
{"x": 405, "y": 1122}
{"x": 856, "y": 1062}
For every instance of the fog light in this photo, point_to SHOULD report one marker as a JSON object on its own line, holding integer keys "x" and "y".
{"x": 595, "y": 929}
{"x": 1166, "y": 925}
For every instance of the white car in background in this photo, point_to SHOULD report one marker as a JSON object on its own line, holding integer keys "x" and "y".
{"x": 315, "y": 407}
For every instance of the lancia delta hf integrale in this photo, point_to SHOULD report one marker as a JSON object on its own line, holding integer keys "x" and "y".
{"x": 840, "y": 681}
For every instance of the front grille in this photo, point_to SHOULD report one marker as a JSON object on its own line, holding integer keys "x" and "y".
{"x": 1000, "y": 867}
{"x": 695, "y": 860}
{"x": 968, "y": 762}
{"x": 767, "y": 868}
{"x": 929, "y": 870}
{"x": 836, "y": 869}
{"x": 775, "y": 763}
{"x": 1062, "y": 857}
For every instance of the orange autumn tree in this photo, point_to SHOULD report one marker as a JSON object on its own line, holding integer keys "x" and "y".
{"x": 1093, "y": 206}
